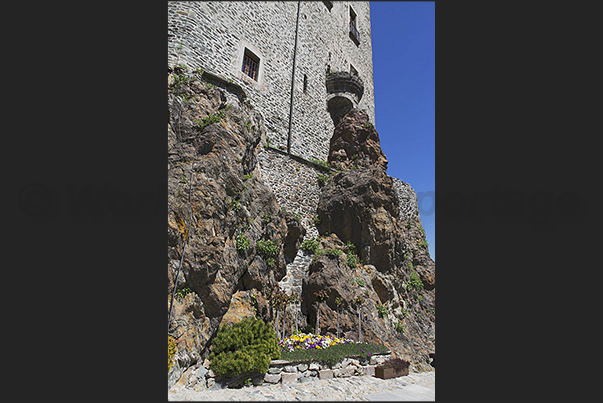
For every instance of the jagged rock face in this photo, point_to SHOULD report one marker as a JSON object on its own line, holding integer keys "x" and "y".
{"x": 295, "y": 235}
{"x": 213, "y": 198}
{"x": 360, "y": 205}
{"x": 404, "y": 307}
{"x": 355, "y": 142}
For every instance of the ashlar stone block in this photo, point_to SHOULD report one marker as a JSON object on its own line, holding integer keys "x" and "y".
{"x": 272, "y": 378}
{"x": 287, "y": 378}
{"x": 325, "y": 374}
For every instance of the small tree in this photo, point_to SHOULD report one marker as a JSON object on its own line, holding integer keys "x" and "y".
{"x": 321, "y": 296}
{"x": 278, "y": 299}
{"x": 358, "y": 301}
{"x": 293, "y": 300}
{"x": 284, "y": 305}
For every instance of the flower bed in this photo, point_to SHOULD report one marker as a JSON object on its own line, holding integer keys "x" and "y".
{"x": 326, "y": 349}
{"x": 309, "y": 341}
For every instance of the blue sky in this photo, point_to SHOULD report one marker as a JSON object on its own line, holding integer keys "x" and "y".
{"x": 403, "y": 36}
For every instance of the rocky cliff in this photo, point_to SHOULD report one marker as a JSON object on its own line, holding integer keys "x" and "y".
{"x": 223, "y": 223}
{"x": 228, "y": 237}
{"x": 359, "y": 213}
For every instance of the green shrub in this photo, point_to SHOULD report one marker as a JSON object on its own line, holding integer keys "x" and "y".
{"x": 245, "y": 347}
{"x": 414, "y": 282}
{"x": 323, "y": 164}
{"x": 180, "y": 80}
{"x": 357, "y": 281}
{"x": 266, "y": 218}
{"x": 333, "y": 252}
{"x": 180, "y": 294}
{"x": 235, "y": 204}
{"x": 322, "y": 179}
{"x": 352, "y": 260}
{"x": 209, "y": 119}
{"x": 400, "y": 327}
{"x": 310, "y": 245}
{"x": 242, "y": 242}
{"x": 267, "y": 249}
{"x": 382, "y": 310}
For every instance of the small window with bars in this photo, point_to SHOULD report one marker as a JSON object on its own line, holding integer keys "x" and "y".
{"x": 251, "y": 64}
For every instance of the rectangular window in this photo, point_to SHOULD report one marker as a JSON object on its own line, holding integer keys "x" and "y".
{"x": 251, "y": 64}
{"x": 353, "y": 29}
{"x": 305, "y": 83}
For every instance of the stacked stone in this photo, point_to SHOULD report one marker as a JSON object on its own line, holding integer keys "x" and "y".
{"x": 286, "y": 372}
{"x": 296, "y": 272}
{"x": 294, "y": 183}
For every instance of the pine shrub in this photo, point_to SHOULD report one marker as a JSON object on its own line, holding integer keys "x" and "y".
{"x": 245, "y": 347}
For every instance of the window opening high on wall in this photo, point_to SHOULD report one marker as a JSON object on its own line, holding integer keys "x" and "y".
{"x": 353, "y": 29}
{"x": 251, "y": 64}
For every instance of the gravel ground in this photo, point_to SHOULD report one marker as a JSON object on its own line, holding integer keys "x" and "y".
{"x": 414, "y": 386}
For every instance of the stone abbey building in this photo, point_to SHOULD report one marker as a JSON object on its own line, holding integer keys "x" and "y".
{"x": 301, "y": 65}
{"x": 283, "y": 54}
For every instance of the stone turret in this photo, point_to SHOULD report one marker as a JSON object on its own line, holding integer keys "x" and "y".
{"x": 344, "y": 93}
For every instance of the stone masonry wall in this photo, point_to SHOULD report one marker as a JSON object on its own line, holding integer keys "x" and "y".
{"x": 294, "y": 183}
{"x": 409, "y": 206}
{"x": 287, "y": 372}
{"x": 214, "y": 35}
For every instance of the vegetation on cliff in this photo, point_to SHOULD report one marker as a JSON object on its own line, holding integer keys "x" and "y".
{"x": 229, "y": 242}
{"x": 244, "y": 348}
